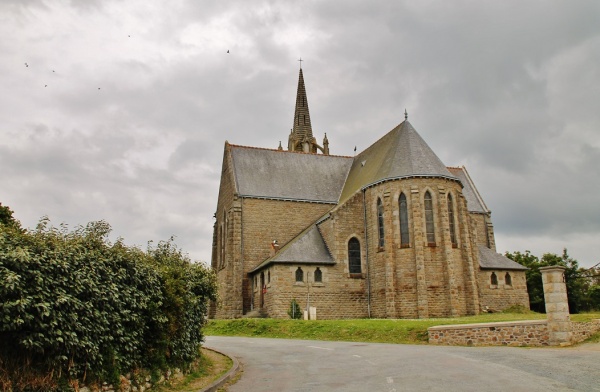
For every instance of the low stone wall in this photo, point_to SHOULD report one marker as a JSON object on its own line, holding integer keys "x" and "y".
{"x": 514, "y": 333}
{"x": 132, "y": 383}
{"x": 582, "y": 331}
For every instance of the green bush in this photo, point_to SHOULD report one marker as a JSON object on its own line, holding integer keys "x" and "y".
{"x": 295, "y": 312}
{"x": 74, "y": 306}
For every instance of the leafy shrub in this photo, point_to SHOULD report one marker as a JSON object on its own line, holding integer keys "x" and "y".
{"x": 295, "y": 312}
{"x": 76, "y": 307}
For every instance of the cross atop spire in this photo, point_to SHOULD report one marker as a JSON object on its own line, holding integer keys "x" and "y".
{"x": 300, "y": 60}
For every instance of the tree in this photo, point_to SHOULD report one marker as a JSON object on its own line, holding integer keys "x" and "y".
{"x": 534, "y": 278}
{"x": 578, "y": 287}
{"x": 594, "y": 296}
{"x": 6, "y": 217}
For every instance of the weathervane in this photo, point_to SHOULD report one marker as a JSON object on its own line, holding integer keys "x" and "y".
{"x": 405, "y": 115}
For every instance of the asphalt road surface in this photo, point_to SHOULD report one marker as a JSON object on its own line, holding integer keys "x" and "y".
{"x": 305, "y": 365}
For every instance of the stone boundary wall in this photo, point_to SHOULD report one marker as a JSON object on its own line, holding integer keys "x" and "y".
{"x": 514, "y": 333}
{"x": 517, "y": 333}
{"x": 582, "y": 331}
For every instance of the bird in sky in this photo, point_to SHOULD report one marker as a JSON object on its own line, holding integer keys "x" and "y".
{"x": 227, "y": 50}
{"x": 27, "y": 65}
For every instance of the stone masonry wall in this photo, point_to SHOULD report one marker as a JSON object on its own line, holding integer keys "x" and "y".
{"x": 484, "y": 231}
{"x": 225, "y": 259}
{"x": 340, "y": 294}
{"x": 421, "y": 280}
{"x": 501, "y": 296}
{"x": 582, "y": 331}
{"x": 346, "y": 222}
{"x": 266, "y": 220}
{"x": 515, "y": 333}
{"x": 336, "y": 297}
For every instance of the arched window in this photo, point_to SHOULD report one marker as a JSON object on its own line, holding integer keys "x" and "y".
{"x": 429, "y": 226}
{"x": 380, "y": 222}
{"x": 223, "y": 239}
{"x": 507, "y": 279}
{"x": 354, "y": 264}
{"x": 221, "y": 247}
{"x": 299, "y": 275}
{"x": 451, "y": 221}
{"x": 404, "y": 239}
{"x": 318, "y": 275}
{"x": 494, "y": 279}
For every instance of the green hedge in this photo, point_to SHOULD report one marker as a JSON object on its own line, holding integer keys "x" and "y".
{"x": 74, "y": 306}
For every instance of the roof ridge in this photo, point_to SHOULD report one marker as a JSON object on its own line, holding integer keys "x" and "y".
{"x": 290, "y": 152}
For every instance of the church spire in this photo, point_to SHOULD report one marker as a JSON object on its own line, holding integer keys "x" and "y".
{"x": 301, "y": 137}
{"x": 302, "y": 129}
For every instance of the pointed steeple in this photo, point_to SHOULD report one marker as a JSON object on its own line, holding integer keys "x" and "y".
{"x": 302, "y": 137}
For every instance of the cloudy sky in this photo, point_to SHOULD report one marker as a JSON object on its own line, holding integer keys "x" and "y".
{"x": 119, "y": 110}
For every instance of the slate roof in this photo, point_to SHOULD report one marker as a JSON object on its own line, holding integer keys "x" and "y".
{"x": 475, "y": 202}
{"x": 488, "y": 259}
{"x": 307, "y": 248}
{"x": 400, "y": 153}
{"x": 289, "y": 175}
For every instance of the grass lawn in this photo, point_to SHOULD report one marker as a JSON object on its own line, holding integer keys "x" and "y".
{"x": 360, "y": 330}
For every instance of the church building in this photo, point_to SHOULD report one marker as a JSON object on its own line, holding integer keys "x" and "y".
{"x": 391, "y": 232}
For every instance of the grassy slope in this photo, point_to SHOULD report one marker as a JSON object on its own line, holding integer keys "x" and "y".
{"x": 363, "y": 330}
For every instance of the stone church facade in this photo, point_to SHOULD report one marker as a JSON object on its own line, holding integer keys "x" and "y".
{"x": 389, "y": 233}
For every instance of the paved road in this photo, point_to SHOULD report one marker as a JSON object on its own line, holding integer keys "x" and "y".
{"x": 303, "y": 365}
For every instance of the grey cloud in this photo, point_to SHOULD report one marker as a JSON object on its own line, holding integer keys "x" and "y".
{"x": 509, "y": 89}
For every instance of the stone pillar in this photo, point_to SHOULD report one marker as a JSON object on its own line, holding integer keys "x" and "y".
{"x": 420, "y": 242}
{"x": 390, "y": 267}
{"x": 557, "y": 305}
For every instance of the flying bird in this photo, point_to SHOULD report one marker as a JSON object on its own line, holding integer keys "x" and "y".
{"x": 45, "y": 85}
{"x": 227, "y": 51}
{"x": 27, "y": 65}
